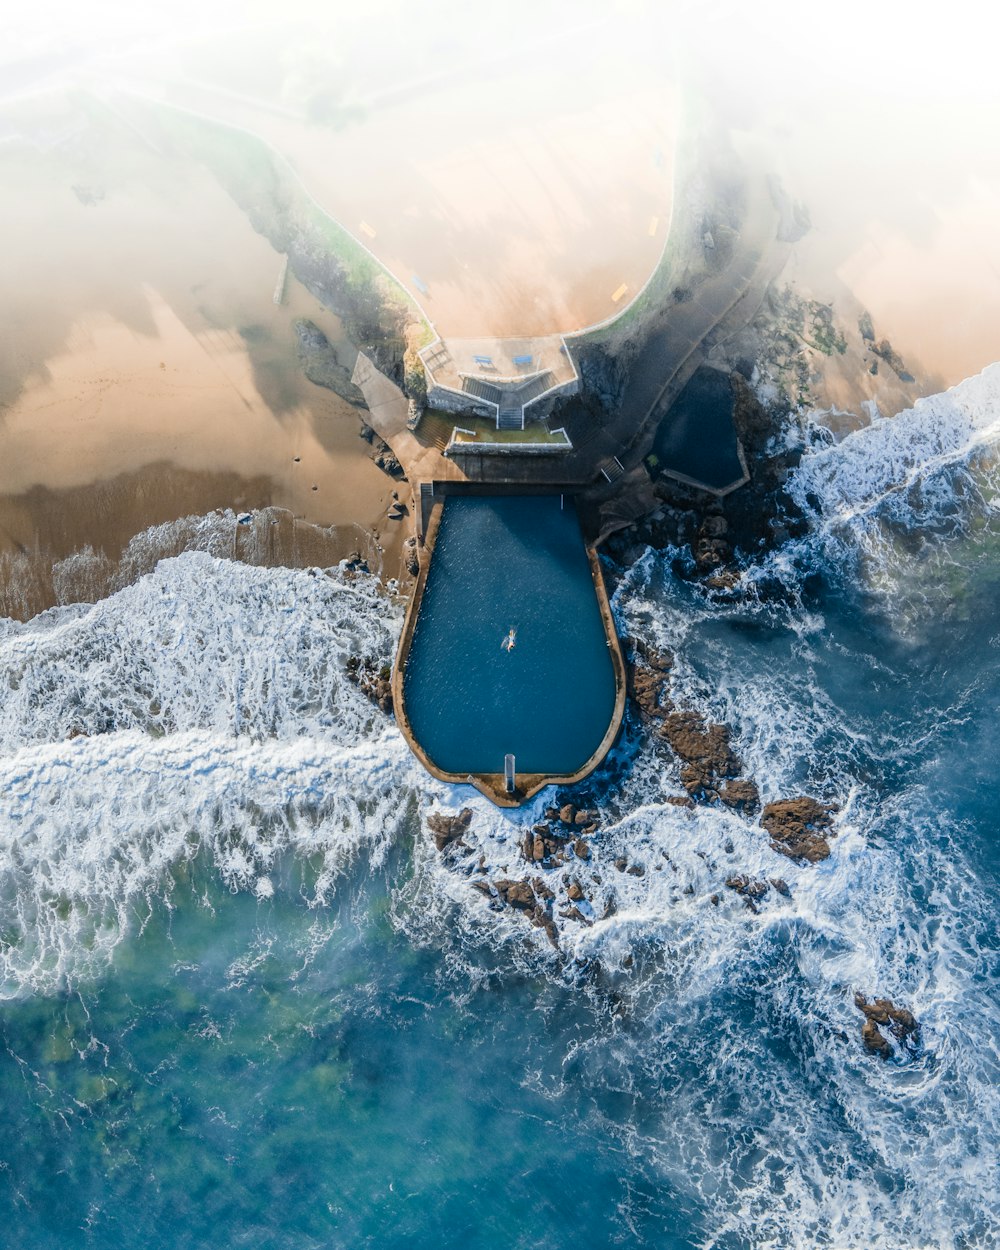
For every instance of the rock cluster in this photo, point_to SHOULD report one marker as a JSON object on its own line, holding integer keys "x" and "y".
{"x": 372, "y": 679}
{"x": 882, "y": 1011}
{"x": 532, "y": 898}
{"x": 704, "y": 749}
{"x": 710, "y": 548}
{"x": 710, "y": 770}
{"x": 797, "y": 827}
{"x": 751, "y": 889}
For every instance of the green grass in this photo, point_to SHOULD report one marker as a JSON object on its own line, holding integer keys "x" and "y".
{"x": 486, "y": 432}
{"x": 260, "y": 179}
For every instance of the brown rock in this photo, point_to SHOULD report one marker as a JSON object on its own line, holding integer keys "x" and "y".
{"x": 575, "y": 891}
{"x": 635, "y": 870}
{"x": 448, "y": 829}
{"x": 484, "y": 886}
{"x": 796, "y": 827}
{"x": 749, "y": 887}
{"x": 567, "y": 814}
{"x": 713, "y": 527}
{"x": 517, "y": 894}
{"x": 581, "y": 849}
{"x": 902, "y": 1023}
{"x": 781, "y": 886}
{"x": 741, "y": 795}
{"x": 680, "y": 800}
{"x": 703, "y": 745}
{"x": 621, "y": 863}
{"x": 874, "y": 1041}
{"x": 574, "y": 913}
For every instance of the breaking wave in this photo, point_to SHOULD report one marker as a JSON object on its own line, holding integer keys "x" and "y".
{"x": 207, "y": 709}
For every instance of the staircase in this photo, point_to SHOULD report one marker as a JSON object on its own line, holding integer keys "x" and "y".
{"x": 531, "y": 390}
{"x": 510, "y": 419}
{"x": 481, "y": 390}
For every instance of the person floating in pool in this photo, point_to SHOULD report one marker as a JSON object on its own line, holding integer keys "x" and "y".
{"x": 510, "y": 640}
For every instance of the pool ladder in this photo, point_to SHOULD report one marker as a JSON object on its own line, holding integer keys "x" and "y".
{"x": 508, "y": 773}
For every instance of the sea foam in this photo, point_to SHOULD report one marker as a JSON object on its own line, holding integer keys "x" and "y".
{"x": 212, "y": 712}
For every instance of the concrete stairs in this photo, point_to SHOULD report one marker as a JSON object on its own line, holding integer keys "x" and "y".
{"x": 482, "y": 390}
{"x": 510, "y": 419}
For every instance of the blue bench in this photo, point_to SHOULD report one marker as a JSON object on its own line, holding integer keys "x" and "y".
{"x": 523, "y": 360}
{"x": 484, "y": 360}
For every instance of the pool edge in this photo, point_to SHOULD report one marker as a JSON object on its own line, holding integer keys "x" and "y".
{"x": 492, "y": 784}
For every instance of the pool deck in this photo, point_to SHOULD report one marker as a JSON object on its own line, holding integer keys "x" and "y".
{"x": 493, "y": 785}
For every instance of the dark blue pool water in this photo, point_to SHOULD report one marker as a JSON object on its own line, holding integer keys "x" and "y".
{"x": 500, "y": 564}
{"x": 697, "y": 437}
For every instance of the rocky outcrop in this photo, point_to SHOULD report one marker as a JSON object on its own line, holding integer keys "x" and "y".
{"x": 373, "y": 679}
{"x": 448, "y": 829}
{"x": 318, "y": 358}
{"x": 541, "y": 845}
{"x": 874, "y": 1041}
{"x": 521, "y": 896}
{"x": 711, "y": 548}
{"x": 797, "y": 826}
{"x": 648, "y": 680}
{"x": 883, "y": 1011}
{"x": 885, "y": 351}
{"x": 750, "y": 889}
{"x": 382, "y": 454}
{"x": 704, "y": 748}
{"x": 741, "y": 795}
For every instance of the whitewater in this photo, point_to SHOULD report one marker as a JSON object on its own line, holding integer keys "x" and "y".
{"x": 227, "y": 938}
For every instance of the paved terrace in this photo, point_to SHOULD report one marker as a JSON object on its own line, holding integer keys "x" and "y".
{"x": 721, "y": 303}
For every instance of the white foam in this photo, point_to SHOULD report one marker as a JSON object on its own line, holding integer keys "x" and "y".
{"x": 220, "y": 720}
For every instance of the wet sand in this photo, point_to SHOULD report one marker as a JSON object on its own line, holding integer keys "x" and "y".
{"x": 146, "y": 373}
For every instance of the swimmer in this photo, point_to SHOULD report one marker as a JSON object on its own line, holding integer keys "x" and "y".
{"x": 509, "y": 641}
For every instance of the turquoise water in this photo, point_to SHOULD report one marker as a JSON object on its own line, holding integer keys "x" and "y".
{"x": 258, "y": 1074}
{"x": 247, "y": 1003}
{"x": 503, "y": 563}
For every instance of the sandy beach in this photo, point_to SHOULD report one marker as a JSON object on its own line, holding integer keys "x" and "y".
{"x": 147, "y": 373}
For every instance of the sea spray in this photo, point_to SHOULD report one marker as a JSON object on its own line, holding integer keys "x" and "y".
{"x": 713, "y": 1051}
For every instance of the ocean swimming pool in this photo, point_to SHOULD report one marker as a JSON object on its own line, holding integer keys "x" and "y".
{"x": 502, "y": 564}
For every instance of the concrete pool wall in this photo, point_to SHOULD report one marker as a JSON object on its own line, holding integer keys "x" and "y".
{"x": 492, "y": 783}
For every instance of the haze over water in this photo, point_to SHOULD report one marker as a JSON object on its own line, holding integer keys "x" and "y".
{"x": 245, "y": 999}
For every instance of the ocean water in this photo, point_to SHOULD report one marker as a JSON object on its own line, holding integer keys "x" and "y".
{"x": 246, "y": 1002}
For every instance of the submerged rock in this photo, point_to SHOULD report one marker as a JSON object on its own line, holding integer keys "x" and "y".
{"x": 796, "y": 828}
